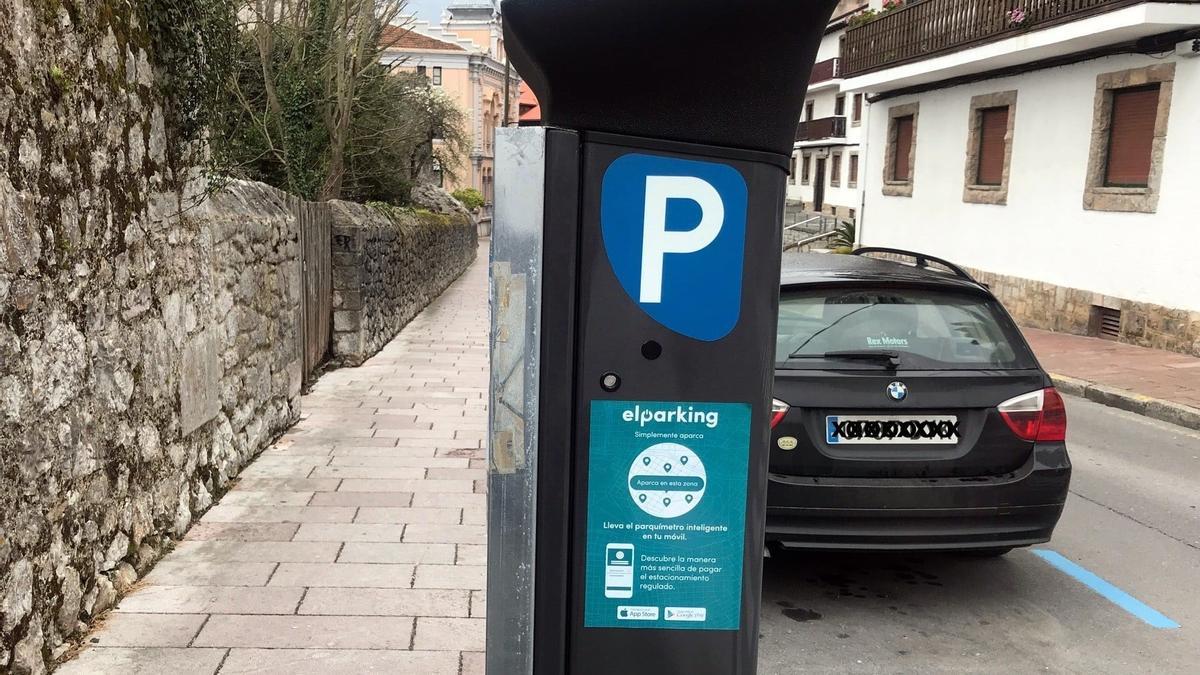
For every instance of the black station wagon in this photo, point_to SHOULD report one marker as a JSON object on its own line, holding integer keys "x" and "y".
{"x": 910, "y": 413}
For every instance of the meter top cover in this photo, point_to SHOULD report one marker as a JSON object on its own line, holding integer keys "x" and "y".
{"x": 730, "y": 73}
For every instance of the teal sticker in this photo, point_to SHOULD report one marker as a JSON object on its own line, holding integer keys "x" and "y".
{"x": 666, "y": 515}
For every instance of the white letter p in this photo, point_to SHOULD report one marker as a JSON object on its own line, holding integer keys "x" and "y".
{"x": 657, "y": 242}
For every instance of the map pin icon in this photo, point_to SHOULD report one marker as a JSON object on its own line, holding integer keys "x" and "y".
{"x": 667, "y": 468}
{"x": 683, "y": 460}
{"x": 642, "y": 498}
{"x": 666, "y": 501}
{"x": 646, "y": 461}
{"x": 688, "y": 499}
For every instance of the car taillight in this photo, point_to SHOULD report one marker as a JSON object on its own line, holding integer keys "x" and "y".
{"x": 1038, "y": 416}
{"x": 778, "y": 410}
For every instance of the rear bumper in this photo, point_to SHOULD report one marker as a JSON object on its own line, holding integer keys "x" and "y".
{"x": 1017, "y": 509}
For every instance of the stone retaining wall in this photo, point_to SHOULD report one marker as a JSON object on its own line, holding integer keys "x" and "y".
{"x": 133, "y": 387}
{"x": 389, "y": 264}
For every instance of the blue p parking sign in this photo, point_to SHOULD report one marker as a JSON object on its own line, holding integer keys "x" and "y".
{"x": 675, "y": 234}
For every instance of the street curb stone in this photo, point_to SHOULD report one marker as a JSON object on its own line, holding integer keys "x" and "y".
{"x": 1165, "y": 411}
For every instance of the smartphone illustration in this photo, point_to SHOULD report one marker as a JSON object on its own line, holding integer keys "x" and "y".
{"x": 618, "y": 571}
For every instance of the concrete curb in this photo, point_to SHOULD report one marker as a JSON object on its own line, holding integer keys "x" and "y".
{"x": 1166, "y": 411}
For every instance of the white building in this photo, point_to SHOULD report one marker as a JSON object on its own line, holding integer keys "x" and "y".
{"x": 1055, "y": 150}
{"x": 826, "y": 164}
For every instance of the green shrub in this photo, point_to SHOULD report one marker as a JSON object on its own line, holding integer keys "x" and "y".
{"x": 471, "y": 198}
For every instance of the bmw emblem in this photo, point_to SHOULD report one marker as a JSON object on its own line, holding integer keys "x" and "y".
{"x": 897, "y": 391}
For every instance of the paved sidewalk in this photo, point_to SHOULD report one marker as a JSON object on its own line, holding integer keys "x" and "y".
{"x": 1121, "y": 374}
{"x": 355, "y": 544}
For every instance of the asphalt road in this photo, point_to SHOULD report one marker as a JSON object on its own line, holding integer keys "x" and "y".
{"x": 1133, "y": 519}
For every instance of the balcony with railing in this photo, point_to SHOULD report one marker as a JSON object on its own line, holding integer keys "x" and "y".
{"x": 821, "y": 129}
{"x": 926, "y": 29}
{"x": 825, "y": 71}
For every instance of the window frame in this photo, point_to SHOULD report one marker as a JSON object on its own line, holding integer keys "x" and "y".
{"x": 893, "y": 187}
{"x": 835, "y": 169}
{"x": 437, "y": 76}
{"x": 975, "y": 192}
{"x": 1108, "y": 150}
{"x": 856, "y": 110}
{"x": 852, "y": 170}
{"x": 806, "y": 168}
{"x": 1098, "y": 196}
{"x": 839, "y": 106}
{"x": 810, "y": 110}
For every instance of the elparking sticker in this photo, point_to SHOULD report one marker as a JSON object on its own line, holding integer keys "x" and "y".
{"x": 666, "y": 515}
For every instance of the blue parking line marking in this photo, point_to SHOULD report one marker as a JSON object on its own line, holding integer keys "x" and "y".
{"x": 1113, "y": 594}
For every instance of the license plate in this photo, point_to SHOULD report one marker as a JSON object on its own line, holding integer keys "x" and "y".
{"x": 891, "y": 430}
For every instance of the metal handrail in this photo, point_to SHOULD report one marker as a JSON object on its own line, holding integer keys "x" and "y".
{"x": 811, "y": 240}
{"x": 795, "y": 225}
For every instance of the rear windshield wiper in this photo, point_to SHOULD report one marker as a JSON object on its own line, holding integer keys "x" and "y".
{"x": 891, "y": 357}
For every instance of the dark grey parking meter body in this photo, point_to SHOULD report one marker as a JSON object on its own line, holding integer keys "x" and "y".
{"x": 635, "y": 274}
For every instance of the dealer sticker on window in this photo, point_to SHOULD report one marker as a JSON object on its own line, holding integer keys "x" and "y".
{"x": 892, "y": 430}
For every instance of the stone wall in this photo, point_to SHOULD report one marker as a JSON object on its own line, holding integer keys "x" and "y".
{"x": 389, "y": 264}
{"x": 132, "y": 390}
{"x": 1069, "y": 310}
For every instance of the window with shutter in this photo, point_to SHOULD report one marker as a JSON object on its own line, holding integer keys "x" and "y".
{"x": 1131, "y": 136}
{"x": 809, "y": 109}
{"x": 902, "y": 165}
{"x": 993, "y": 128}
{"x": 835, "y": 173}
{"x": 853, "y": 179}
{"x": 804, "y": 172}
{"x": 858, "y": 106}
{"x": 792, "y": 172}
{"x": 839, "y": 105}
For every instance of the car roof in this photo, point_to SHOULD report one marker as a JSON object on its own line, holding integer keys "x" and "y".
{"x": 802, "y": 269}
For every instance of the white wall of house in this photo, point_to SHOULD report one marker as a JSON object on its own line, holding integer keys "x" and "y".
{"x": 824, "y": 97}
{"x": 1044, "y": 233}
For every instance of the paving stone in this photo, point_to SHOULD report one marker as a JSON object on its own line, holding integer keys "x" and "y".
{"x": 363, "y": 552}
{"x": 439, "y": 473}
{"x": 265, "y": 498}
{"x": 449, "y": 500}
{"x": 387, "y": 602}
{"x": 405, "y": 485}
{"x": 472, "y": 577}
{"x": 470, "y": 554}
{"x": 478, "y": 604}
{"x": 454, "y": 534}
{"x": 408, "y": 515}
{"x": 279, "y": 514}
{"x": 290, "y": 484}
{"x": 389, "y": 473}
{"x": 325, "y": 632}
{"x": 212, "y": 600}
{"x": 143, "y": 661}
{"x": 242, "y": 531}
{"x": 330, "y": 661}
{"x": 474, "y": 515}
{"x": 351, "y": 532}
{"x": 390, "y": 461}
{"x": 197, "y": 573}
{"x": 359, "y": 451}
{"x": 473, "y": 663}
{"x": 253, "y": 551}
{"x": 148, "y": 630}
{"x": 380, "y": 499}
{"x": 457, "y": 634}
{"x": 348, "y": 575}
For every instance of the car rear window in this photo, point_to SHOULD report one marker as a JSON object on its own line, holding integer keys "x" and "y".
{"x": 926, "y": 329}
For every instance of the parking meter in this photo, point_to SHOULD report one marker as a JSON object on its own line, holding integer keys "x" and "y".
{"x": 634, "y": 281}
